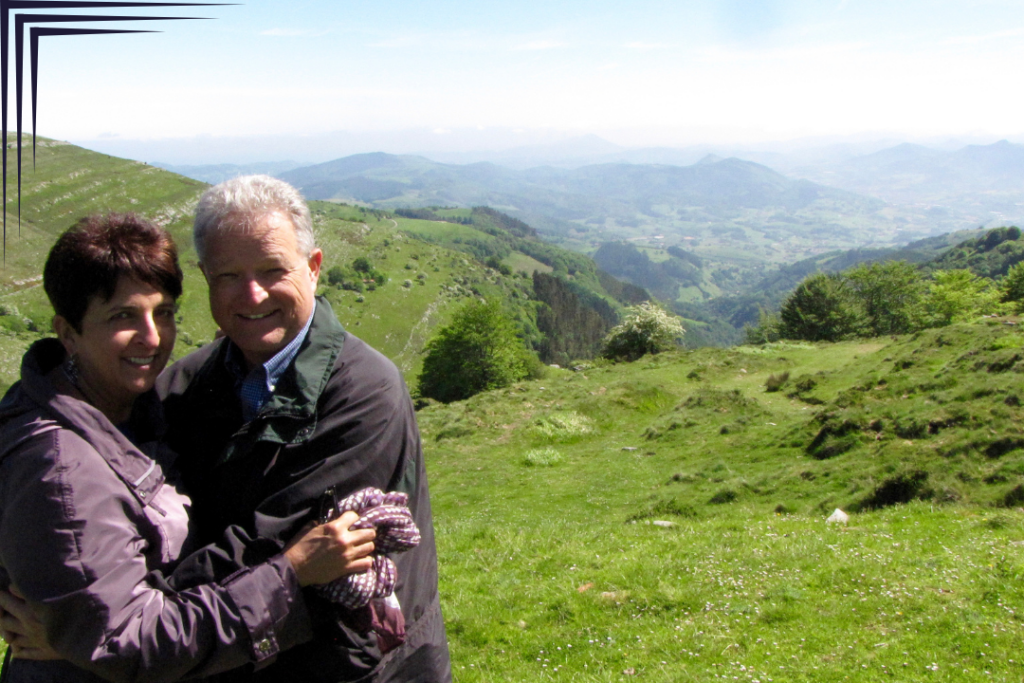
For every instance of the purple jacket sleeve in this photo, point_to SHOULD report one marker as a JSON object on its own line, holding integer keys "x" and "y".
{"x": 69, "y": 539}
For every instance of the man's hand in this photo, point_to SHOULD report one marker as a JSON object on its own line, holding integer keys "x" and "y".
{"x": 22, "y": 628}
{"x": 321, "y": 554}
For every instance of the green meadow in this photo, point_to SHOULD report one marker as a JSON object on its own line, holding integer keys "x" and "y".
{"x": 666, "y": 519}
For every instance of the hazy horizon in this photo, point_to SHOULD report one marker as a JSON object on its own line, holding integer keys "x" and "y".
{"x": 404, "y": 77}
{"x": 470, "y": 145}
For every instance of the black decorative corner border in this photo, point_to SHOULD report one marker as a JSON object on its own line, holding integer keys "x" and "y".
{"x": 35, "y": 33}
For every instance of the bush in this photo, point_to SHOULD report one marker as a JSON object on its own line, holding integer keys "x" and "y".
{"x": 645, "y": 329}
{"x": 478, "y": 351}
{"x": 722, "y": 497}
{"x": 335, "y": 276}
{"x": 495, "y": 263}
{"x": 775, "y": 383}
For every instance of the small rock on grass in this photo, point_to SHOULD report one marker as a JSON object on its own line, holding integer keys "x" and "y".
{"x": 838, "y": 517}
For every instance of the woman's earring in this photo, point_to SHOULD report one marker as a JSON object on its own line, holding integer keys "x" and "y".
{"x": 71, "y": 369}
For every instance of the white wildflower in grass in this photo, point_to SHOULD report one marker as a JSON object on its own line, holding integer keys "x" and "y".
{"x": 564, "y": 425}
{"x": 542, "y": 457}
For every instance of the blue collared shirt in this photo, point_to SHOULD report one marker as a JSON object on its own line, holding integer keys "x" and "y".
{"x": 258, "y": 385}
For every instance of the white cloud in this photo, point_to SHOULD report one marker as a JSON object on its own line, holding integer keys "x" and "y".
{"x": 972, "y": 40}
{"x": 645, "y": 46}
{"x": 541, "y": 45}
{"x": 400, "y": 42}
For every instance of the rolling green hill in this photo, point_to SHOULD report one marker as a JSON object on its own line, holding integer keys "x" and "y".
{"x": 665, "y": 519}
{"x": 991, "y": 254}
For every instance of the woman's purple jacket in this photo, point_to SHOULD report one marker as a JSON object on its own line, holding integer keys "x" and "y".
{"x": 86, "y": 516}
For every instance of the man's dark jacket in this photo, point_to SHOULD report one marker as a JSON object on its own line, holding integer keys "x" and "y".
{"x": 340, "y": 417}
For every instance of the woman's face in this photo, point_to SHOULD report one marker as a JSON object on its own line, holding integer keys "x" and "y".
{"x": 124, "y": 344}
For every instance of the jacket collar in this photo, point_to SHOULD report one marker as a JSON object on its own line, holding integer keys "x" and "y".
{"x": 290, "y": 414}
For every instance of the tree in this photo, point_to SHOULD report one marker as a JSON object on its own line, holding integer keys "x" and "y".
{"x": 821, "y": 308}
{"x": 957, "y": 296}
{"x": 1012, "y": 287}
{"x": 890, "y": 294}
{"x": 647, "y": 328}
{"x": 478, "y": 351}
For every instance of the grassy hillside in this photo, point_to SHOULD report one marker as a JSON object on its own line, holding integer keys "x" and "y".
{"x": 666, "y": 519}
{"x": 425, "y": 282}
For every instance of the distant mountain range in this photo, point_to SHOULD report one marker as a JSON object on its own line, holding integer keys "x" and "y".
{"x": 979, "y": 181}
{"x": 725, "y": 208}
{"x": 731, "y": 211}
{"x": 957, "y": 187}
{"x": 622, "y": 189}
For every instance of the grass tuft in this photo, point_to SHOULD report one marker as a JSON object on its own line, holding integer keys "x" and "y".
{"x": 542, "y": 457}
{"x": 564, "y": 425}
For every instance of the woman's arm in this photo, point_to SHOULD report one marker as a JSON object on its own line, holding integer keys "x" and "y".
{"x": 69, "y": 542}
{"x": 318, "y": 555}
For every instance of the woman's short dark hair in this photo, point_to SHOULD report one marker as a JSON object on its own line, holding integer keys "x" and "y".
{"x": 97, "y": 251}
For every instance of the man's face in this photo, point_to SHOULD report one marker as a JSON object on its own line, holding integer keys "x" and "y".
{"x": 261, "y": 285}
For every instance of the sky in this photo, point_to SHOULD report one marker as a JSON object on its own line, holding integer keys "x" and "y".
{"x": 643, "y": 73}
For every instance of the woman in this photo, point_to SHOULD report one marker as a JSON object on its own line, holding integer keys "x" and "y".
{"x": 88, "y": 514}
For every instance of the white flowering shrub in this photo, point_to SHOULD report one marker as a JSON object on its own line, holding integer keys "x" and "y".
{"x": 647, "y": 328}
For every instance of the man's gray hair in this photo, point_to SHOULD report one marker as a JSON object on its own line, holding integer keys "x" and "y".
{"x": 241, "y": 202}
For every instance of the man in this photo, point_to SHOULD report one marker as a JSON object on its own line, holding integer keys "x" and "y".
{"x": 289, "y": 410}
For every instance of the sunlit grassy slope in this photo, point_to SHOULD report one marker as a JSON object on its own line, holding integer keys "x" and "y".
{"x": 666, "y": 519}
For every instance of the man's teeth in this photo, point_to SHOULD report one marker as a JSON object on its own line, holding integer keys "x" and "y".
{"x": 259, "y": 316}
{"x": 145, "y": 360}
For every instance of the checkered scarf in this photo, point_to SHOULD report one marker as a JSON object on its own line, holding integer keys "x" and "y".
{"x": 389, "y": 514}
